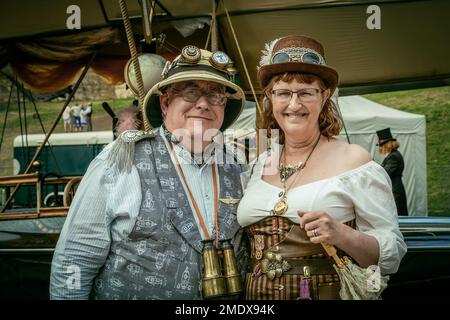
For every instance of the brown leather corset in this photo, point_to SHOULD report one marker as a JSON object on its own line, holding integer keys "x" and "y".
{"x": 276, "y": 241}
{"x": 280, "y": 235}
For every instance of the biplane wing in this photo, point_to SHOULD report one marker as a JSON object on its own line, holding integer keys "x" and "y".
{"x": 408, "y": 50}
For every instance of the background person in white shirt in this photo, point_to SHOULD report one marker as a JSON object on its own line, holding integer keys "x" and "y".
{"x": 88, "y": 116}
{"x": 67, "y": 119}
{"x": 76, "y": 111}
{"x": 83, "y": 117}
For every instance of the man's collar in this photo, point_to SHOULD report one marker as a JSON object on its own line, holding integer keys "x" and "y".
{"x": 188, "y": 156}
{"x": 169, "y": 136}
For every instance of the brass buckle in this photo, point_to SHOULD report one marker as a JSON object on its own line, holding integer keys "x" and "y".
{"x": 273, "y": 265}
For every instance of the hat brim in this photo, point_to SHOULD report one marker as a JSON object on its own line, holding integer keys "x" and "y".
{"x": 329, "y": 75}
{"x": 385, "y": 141}
{"x": 235, "y": 102}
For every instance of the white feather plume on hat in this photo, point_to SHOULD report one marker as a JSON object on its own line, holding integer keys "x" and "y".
{"x": 267, "y": 52}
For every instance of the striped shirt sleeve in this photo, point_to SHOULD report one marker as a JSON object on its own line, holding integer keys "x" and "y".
{"x": 85, "y": 239}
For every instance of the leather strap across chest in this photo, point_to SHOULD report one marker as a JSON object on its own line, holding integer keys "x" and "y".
{"x": 194, "y": 202}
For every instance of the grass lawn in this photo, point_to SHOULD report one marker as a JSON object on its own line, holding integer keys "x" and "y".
{"x": 434, "y": 103}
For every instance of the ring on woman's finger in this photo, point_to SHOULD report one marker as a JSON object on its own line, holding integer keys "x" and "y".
{"x": 315, "y": 233}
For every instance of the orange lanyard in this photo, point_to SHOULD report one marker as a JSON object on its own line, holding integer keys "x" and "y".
{"x": 197, "y": 210}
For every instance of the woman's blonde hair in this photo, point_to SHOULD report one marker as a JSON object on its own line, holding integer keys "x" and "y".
{"x": 388, "y": 147}
{"x": 330, "y": 123}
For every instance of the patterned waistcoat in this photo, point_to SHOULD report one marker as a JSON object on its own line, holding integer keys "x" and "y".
{"x": 161, "y": 258}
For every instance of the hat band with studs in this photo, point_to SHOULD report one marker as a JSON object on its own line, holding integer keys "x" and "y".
{"x": 191, "y": 56}
{"x": 298, "y": 54}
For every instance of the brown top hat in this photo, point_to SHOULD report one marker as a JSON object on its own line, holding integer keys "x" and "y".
{"x": 295, "y": 54}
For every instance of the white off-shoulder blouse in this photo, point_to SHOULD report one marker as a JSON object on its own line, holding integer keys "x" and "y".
{"x": 364, "y": 194}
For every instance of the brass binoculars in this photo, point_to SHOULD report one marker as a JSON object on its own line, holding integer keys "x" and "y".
{"x": 220, "y": 274}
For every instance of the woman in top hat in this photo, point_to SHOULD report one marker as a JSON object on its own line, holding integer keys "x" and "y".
{"x": 312, "y": 188}
{"x": 393, "y": 164}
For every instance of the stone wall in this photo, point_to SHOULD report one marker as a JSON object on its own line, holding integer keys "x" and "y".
{"x": 92, "y": 88}
{"x": 5, "y": 85}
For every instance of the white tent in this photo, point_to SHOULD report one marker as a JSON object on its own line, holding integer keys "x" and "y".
{"x": 363, "y": 118}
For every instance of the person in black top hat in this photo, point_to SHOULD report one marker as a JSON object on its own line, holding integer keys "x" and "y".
{"x": 394, "y": 165}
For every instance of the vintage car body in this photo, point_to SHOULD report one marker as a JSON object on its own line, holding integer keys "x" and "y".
{"x": 27, "y": 245}
{"x": 424, "y": 272}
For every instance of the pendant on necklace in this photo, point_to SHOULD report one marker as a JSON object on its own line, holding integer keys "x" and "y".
{"x": 281, "y": 206}
{"x": 286, "y": 171}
